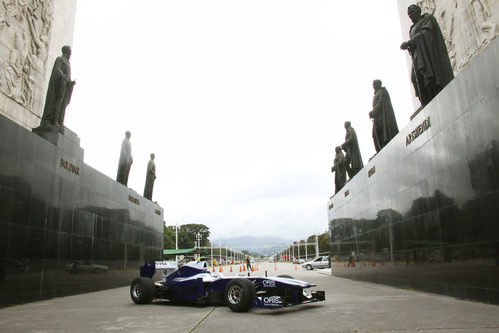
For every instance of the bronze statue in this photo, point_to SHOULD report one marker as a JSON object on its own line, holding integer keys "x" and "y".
{"x": 59, "y": 91}
{"x": 150, "y": 177}
{"x": 431, "y": 67}
{"x": 126, "y": 160}
{"x": 339, "y": 168}
{"x": 351, "y": 147}
{"x": 384, "y": 123}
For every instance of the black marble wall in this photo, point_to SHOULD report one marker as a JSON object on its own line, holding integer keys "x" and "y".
{"x": 424, "y": 212}
{"x": 65, "y": 228}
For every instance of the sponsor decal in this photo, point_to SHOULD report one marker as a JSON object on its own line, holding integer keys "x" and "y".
{"x": 272, "y": 300}
{"x": 268, "y": 284}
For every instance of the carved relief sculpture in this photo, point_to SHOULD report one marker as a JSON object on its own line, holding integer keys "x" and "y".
{"x": 467, "y": 25}
{"x": 25, "y": 27}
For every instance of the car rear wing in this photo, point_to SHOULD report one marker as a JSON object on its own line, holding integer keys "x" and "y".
{"x": 150, "y": 267}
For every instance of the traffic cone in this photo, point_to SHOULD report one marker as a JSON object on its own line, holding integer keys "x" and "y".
{"x": 296, "y": 267}
{"x": 221, "y": 269}
{"x": 244, "y": 268}
{"x": 213, "y": 268}
{"x": 275, "y": 266}
{"x": 240, "y": 268}
{"x": 231, "y": 269}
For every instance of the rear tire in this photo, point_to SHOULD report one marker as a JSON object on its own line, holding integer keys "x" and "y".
{"x": 239, "y": 295}
{"x": 142, "y": 290}
{"x": 309, "y": 267}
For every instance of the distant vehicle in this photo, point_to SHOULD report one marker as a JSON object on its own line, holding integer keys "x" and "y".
{"x": 86, "y": 266}
{"x": 301, "y": 261}
{"x": 193, "y": 283}
{"x": 319, "y": 262}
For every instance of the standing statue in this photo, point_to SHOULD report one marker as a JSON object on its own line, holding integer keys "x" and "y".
{"x": 351, "y": 147}
{"x": 126, "y": 160}
{"x": 431, "y": 67}
{"x": 384, "y": 123}
{"x": 59, "y": 91}
{"x": 150, "y": 177}
{"x": 339, "y": 168}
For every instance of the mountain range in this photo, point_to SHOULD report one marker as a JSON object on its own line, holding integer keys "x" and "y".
{"x": 254, "y": 245}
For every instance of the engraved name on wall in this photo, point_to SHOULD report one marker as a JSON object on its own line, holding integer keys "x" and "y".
{"x": 25, "y": 30}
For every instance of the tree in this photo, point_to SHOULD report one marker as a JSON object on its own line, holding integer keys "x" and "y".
{"x": 169, "y": 237}
{"x": 187, "y": 235}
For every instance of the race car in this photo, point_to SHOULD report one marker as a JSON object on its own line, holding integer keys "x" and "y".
{"x": 193, "y": 283}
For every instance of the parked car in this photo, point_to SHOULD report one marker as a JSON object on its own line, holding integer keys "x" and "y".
{"x": 319, "y": 262}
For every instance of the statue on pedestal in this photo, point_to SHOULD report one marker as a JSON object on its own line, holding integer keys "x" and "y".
{"x": 384, "y": 123}
{"x": 126, "y": 160}
{"x": 339, "y": 168}
{"x": 351, "y": 147}
{"x": 431, "y": 67}
{"x": 59, "y": 90}
{"x": 150, "y": 177}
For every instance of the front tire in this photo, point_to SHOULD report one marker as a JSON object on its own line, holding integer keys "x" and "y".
{"x": 239, "y": 295}
{"x": 309, "y": 267}
{"x": 142, "y": 290}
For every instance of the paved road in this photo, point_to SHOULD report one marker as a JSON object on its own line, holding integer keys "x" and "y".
{"x": 350, "y": 306}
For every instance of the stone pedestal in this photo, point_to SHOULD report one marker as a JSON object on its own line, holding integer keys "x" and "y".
{"x": 62, "y": 137}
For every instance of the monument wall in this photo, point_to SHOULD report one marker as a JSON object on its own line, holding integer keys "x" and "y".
{"x": 424, "y": 213}
{"x": 66, "y": 228}
{"x": 32, "y": 33}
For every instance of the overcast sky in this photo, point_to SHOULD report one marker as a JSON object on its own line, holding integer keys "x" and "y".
{"x": 242, "y": 102}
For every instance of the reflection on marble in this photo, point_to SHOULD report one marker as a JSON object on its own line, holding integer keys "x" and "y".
{"x": 64, "y": 232}
{"x": 430, "y": 218}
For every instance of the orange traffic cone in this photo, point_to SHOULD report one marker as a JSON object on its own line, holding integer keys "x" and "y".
{"x": 221, "y": 269}
{"x": 213, "y": 268}
{"x": 240, "y": 268}
{"x": 275, "y": 266}
{"x": 244, "y": 268}
{"x": 231, "y": 269}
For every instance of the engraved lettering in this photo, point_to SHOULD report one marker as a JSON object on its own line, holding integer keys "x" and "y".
{"x": 420, "y": 129}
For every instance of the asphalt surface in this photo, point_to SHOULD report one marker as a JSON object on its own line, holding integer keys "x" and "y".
{"x": 350, "y": 306}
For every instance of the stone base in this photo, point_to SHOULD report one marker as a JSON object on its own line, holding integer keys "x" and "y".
{"x": 62, "y": 137}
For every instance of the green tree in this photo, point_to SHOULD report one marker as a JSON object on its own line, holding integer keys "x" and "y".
{"x": 187, "y": 235}
{"x": 169, "y": 237}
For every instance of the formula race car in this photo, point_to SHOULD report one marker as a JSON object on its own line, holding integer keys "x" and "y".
{"x": 193, "y": 283}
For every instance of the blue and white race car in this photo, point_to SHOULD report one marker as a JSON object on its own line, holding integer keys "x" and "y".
{"x": 193, "y": 282}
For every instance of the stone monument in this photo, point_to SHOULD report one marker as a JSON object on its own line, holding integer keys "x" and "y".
{"x": 467, "y": 26}
{"x": 31, "y": 35}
